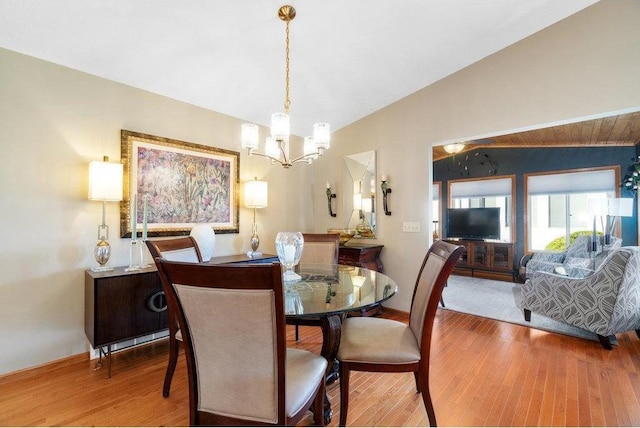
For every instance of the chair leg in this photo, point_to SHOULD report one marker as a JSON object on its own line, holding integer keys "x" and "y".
{"x": 527, "y": 315}
{"x": 638, "y": 333}
{"x": 423, "y": 388}
{"x": 442, "y": 302}
{"x": 171, "y": 367}
{"x": 431, "y": 414}
{"x": 418, "y": 387}
{"x": 318, "y": 405}
{"x": 296, "y": 332}
{"x": 344, "y": 393}
{"x": 605, "y": 342}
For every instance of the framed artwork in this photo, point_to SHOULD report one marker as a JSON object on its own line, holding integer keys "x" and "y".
{"x": 176, "y": 185}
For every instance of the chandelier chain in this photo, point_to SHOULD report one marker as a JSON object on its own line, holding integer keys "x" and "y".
{"x": 287, "y": 101}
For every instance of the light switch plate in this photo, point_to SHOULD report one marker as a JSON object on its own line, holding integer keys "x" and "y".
{"x": 411, "y": 227}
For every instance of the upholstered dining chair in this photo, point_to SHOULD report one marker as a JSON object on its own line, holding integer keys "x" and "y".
{"x": 177, "y": 249}
{"x": 384, "y": 345}
{"x": 320, "y": 253}
{"x": 233, "y": 327}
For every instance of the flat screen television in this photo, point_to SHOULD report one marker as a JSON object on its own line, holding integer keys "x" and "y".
{"x": 473, "y": 223}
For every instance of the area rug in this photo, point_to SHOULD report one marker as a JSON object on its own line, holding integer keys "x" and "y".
{"x": 495, "y": 299}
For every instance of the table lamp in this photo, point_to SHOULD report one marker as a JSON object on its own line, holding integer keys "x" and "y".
{"x": 105, "y": 184}
{"x": 616, "y": 207}
{"x": 255, "y": 196}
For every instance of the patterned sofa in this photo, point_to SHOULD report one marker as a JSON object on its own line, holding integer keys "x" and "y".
{"x": 605, "y": 303}
{"x": 576, "y": 261}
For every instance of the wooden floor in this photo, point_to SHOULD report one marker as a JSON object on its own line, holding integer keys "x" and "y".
{"x": 483, "y": 373}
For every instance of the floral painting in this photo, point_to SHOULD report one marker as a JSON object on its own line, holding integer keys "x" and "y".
{"x": 176, "y": 185}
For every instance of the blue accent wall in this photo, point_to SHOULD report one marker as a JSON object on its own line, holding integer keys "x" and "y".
{"x": 479, "y": 163}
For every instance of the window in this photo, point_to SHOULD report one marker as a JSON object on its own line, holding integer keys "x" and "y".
{"x": 487, "y": 193}
{"x": 558, "y": 203}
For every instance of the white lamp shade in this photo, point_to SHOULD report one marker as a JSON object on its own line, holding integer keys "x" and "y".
{"x": 280, "y": 126}
{"x": 249, "y": 136}
{"x": 271, "y": 148}
{"x": 256, "y": 194}
{"x": 620, "y": 207}
{"x": 105, "y": 181}
{"x": 322, "y": 135}
{"x": 310, "y": 147}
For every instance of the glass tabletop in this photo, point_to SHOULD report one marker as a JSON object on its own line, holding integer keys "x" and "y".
{"x": 334, "y": 289}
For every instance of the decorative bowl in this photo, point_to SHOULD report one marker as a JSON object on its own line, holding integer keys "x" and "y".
{"x": 345, "y": 234}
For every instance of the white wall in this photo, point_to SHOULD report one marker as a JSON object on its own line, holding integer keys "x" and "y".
{"x": 53, "y": 122}
{"x": 587, "y": 64}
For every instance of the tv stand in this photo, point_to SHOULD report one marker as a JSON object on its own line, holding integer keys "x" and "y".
{"x": 491, "y": 258}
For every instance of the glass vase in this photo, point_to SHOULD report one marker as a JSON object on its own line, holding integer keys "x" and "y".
{"x": 289, "y": 247}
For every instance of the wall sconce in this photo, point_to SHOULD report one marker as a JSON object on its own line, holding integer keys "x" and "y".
{"x": 105, "y": 185}
{"x": 385, "y": 192}
{"x": 255, "y": 196}
{"x": 330, "y": 196}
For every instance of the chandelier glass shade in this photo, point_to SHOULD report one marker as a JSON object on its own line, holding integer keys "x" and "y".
{"x": 277, "y": 144}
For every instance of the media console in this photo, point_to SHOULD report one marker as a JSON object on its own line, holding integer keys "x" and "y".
{"x": 488, "y": 257}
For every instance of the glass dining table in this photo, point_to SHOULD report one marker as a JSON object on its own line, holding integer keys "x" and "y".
{"x": 325, "y": 294}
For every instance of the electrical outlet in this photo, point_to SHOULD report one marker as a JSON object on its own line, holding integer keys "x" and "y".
{"x": 411, "y": 227}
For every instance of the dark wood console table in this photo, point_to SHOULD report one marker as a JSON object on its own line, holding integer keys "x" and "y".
{"x": 120, "y": 306}
{"x": 361, "y": 255}
{"x": 366, "y": 256}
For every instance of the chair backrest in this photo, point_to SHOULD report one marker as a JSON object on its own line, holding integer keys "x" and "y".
{"x": 205, "y": 237}
{"x": 320, "y": 249}
{"x": 432, "y": 277}
{"x": 184, "y": 249}
{"x": 233, "y": 323}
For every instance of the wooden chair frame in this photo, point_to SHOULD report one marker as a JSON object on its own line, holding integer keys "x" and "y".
{"x": 421, "y": 368}
{"x": 246, "y": 277}
{"x": 157, "y": 248}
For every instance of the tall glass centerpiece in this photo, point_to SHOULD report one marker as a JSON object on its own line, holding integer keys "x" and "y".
{"x": 289, "y": 247}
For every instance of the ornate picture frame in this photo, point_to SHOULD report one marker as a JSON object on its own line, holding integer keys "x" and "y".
{"x": 177, "y": 185}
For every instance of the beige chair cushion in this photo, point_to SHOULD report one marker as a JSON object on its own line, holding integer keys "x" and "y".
{"x": 427, "y": 280}
{"x": 188, "y": 255}
{"x": 304, "y": 372}
{"x": 377, "y": 340}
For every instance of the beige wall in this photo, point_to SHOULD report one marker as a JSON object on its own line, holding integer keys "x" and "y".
{"x": 53, "y": 122}
{"x": 587, "y": 64}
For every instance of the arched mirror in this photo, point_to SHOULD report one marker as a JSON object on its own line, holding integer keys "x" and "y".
{"x": 360, "y": 193}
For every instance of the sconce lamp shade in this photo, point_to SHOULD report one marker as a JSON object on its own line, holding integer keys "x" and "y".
{"x": 620, "y": 207}
{"x": 256, "y": 194}
{"x": 453, "y": 148}
{"x": 105, "y": 180}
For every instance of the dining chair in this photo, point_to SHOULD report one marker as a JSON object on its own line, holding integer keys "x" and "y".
{"x": 233, "y": 327}
{"x": 384, "y": 345}
{"x": 205, "y": 237}
{"x": 320, "y": 253}
{"x": 183, "y": 249}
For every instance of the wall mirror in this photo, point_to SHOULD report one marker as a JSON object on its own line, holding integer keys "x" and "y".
{"x": 359, "y": 193}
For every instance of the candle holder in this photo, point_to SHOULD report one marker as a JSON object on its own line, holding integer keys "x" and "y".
{"x": 135, "y": 255}
{"x": 330, "y": 196}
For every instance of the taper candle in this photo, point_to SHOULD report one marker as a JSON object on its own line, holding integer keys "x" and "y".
{"x": 134, "y": 216}
{"x": 144, "y": 217}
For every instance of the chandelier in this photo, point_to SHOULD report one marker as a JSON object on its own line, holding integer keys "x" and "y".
{"x": 277, "y": 144}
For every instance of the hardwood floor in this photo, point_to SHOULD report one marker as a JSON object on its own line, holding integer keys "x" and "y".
{"x": 483, "y": 373}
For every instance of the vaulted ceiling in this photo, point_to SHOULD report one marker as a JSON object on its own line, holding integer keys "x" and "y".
{"x": 349, "y": 58}
{"x": 619, "y": 130}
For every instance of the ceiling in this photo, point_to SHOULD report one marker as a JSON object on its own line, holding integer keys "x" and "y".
{"x": 619, "y": 130}
{"x": 349, "y": 58}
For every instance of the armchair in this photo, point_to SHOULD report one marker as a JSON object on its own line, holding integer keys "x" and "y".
{"x": 576, "y": 261}
{"x": 605, "y": 303}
